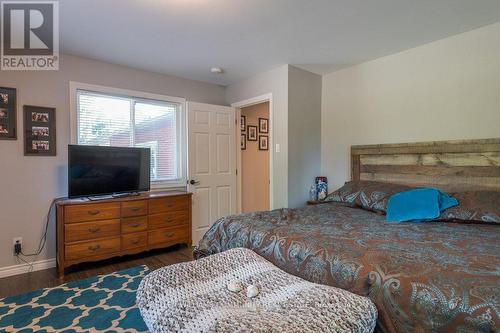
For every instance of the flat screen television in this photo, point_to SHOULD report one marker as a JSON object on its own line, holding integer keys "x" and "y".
{"x": 96, "y": 170}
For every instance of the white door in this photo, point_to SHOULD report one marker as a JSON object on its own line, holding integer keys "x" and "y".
{"x": 212, "y": 164}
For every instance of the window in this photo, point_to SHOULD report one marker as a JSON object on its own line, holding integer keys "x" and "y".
{"x": 117, "y": 120}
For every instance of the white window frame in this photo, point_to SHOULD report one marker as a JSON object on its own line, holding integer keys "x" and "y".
{"x": 153, "y": 145}
{"x": 181, "y": 123}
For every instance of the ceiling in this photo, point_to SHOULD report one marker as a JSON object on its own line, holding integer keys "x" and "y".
{"x": 244, "y": 37}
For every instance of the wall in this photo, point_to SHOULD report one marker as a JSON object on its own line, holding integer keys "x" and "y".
{"x": 274, "y": 81}
{"x": 255, "y": 165}
{"x": 28, "y": 184}
{"x": 296, "y": 127}
{"x": 304, "y": 134}
{"x": 445, "y": 90}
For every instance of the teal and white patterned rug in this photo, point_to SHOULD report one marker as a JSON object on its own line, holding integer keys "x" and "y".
{"x": 104, "y": 303}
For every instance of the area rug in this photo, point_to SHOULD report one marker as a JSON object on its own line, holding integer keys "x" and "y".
{"x": 103, "y": 303}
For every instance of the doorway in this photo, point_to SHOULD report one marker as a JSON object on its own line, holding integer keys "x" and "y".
{"x": 255, "y": 157}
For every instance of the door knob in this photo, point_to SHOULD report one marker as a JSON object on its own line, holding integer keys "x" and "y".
{"x": 194, "y": 182}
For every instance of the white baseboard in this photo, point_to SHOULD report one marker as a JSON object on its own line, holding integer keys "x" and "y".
{"x": 24, "y": 268}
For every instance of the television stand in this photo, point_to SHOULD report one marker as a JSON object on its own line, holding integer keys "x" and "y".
{"x": 92, "y": 231}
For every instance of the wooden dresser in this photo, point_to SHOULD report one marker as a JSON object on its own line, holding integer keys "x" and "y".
{"x": 95, "y": 230}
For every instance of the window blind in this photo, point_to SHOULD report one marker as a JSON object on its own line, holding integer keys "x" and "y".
{"x": 106, "y": 120}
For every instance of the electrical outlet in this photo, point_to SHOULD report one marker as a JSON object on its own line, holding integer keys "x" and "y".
{"x": 17, "y": 243}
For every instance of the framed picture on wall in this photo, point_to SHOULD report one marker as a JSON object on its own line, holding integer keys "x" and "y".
{"x": 263, "y": 125}
{"x": 243, "y": 123}
{"x": 252, "y": 133}
{"x": 39, "y": 131}
{"x": 243, "y": 144}
{"x": 8, "y": 114}
{"x": 263, "y": 142}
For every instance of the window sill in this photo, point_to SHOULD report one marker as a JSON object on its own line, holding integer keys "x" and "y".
{"x": 169, "y": 186}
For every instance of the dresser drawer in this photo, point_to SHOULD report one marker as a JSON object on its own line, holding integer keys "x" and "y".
{"x": 167, "y": 235}
{"x": 135, "y": 240}
{"x": 168, "y": 204}
{"x": 134, "y": 208}
{"x": 92, "y": 212}
{"x": 165, "y": 220}
{"x": 90, "y": 230}
{"x": 134, "y": 224}
{"x": 84, "y": 250}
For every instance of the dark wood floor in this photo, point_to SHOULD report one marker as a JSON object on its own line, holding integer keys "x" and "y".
{"x": 22, "y": 283}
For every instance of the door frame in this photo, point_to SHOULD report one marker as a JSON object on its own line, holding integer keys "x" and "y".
{"x": 238, "y": 106}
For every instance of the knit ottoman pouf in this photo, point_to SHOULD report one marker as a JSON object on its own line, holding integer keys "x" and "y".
{"x": 194, "y": 297}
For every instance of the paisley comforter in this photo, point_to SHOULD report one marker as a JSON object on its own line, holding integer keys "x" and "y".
{"x": 423, "y": 277}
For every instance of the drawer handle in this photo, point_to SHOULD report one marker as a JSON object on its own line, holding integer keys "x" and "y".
{"x": 94, "y": 230}
{"x": 169, "y": 234}
{"x": 135, "y": 225}
{"x": 94, "y": 248}
{"x": 135, "y": 209}
{"x": 94, "y": 212}
{"x": 169, "y": 205}
{"x": 134, "y": 241}
{"x": 169, "y": 221}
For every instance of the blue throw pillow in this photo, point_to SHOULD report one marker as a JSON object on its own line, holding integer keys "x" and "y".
{"x": 446, "y": 201}
{"x": 418, "y": 204}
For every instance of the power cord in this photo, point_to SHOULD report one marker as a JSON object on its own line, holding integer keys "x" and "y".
{"x": 43, "y": 239}
{"x": 30, "y": 264}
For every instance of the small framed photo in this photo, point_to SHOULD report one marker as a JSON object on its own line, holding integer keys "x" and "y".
{"x": 4, "y": 129}
{"x": 39, "y": 131}
{"x": 4, "y": 113}
{"x": 39, "y": 117}
{"x": 243, "y": 144}
{"x": 8, "y": 114}
{"x": 263, "y": 142}
{"x": 243, "y": 123}
{"x": 263, "y": 125}
{"x": 40, "y": 145}
{"x": 252, "y": 133}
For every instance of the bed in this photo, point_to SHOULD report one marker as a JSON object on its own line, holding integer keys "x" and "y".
{"x": 441, "y": 276}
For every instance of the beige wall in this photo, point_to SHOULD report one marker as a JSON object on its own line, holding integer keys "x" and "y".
{"x": 448, "y": 89}
{"x": 28, "y": 184}
{"x": 304, "y": 134}
{"x": 255, "y": 165}
{"x": 273, "y": 82}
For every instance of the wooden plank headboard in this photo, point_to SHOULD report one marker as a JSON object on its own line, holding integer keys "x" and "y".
{"x": 449, "y": 165}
